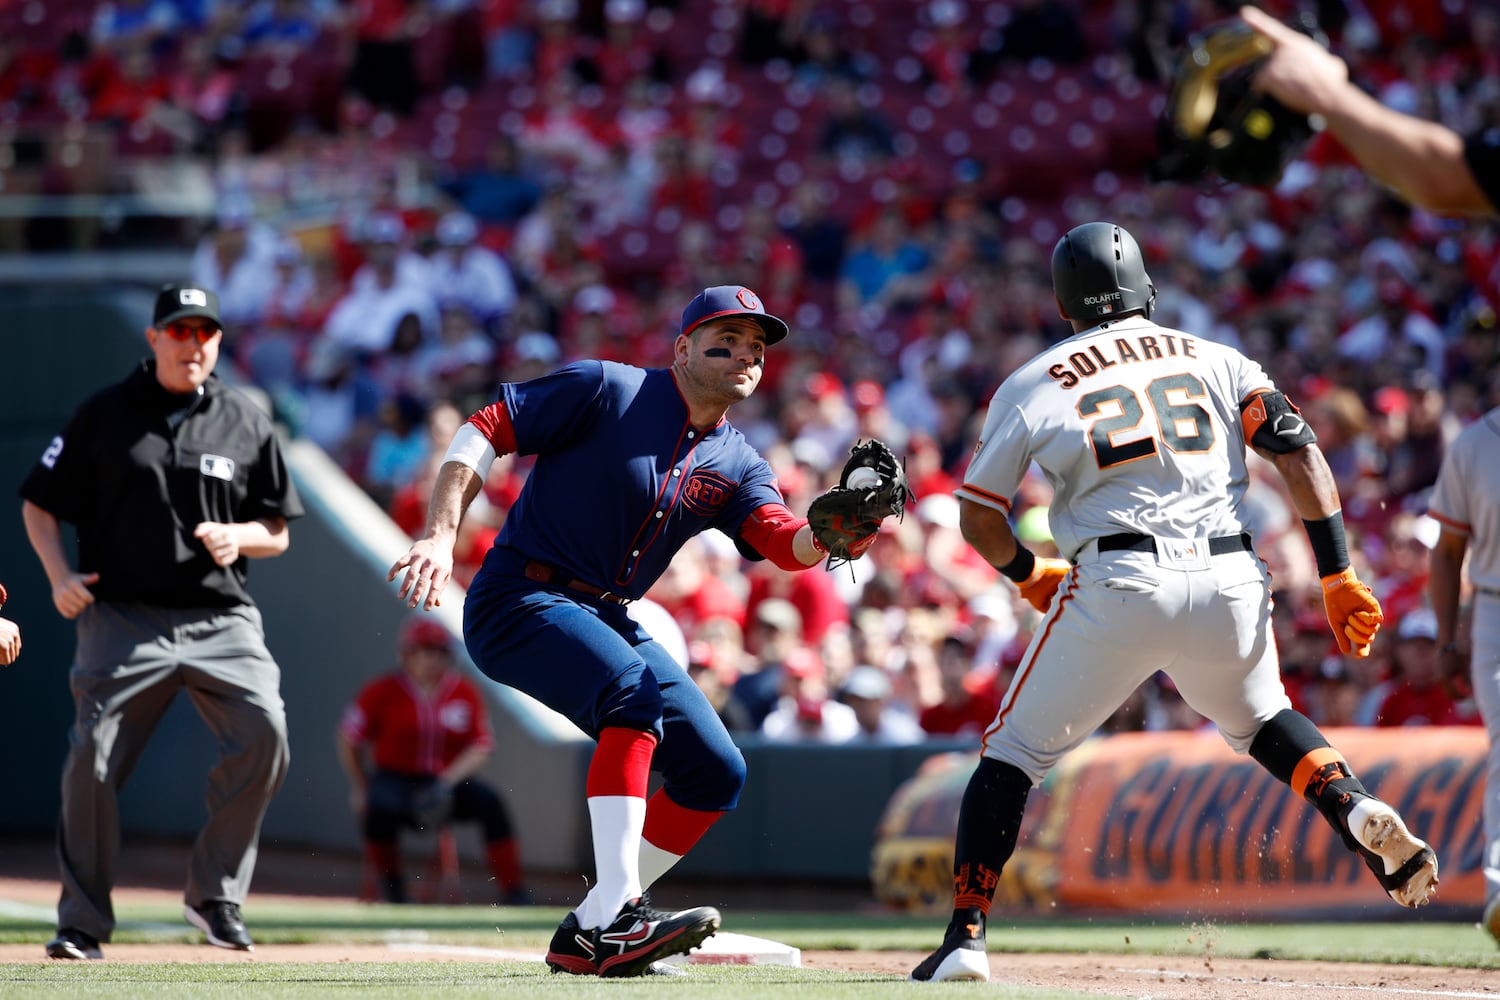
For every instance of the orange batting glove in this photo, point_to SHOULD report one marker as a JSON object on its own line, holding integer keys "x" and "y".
{"x": 1043, "y": 582}
{"x": 1353, "y": 612}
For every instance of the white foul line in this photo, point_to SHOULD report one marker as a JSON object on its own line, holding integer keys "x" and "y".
{"x": 1382, "y": 990}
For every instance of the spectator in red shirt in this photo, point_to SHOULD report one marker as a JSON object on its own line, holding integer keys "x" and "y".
{"x": 411, "y": 743}
{"x": 971, "y": 699}
{"x": 693, "y": 594}
{"x": 1419, "y": 697}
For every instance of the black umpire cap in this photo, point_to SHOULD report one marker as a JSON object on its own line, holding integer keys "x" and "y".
{"x": 176, "y": 302}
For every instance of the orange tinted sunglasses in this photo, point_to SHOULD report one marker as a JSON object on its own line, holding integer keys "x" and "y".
{"x": 182, "y": 331}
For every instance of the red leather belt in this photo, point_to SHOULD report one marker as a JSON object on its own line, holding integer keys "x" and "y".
{"x": 554, "y": 577}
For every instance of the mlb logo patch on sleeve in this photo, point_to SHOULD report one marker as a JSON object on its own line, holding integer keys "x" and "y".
{"x": 217, "y": 466}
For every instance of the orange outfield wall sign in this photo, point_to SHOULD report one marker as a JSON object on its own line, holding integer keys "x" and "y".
{"x": 1178, "y": 823}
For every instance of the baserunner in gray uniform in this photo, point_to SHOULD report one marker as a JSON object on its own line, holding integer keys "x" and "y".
{"x": 173, "y": 481}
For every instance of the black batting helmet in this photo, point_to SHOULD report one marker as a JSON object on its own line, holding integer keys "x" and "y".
{"x": 1098, "y": 273}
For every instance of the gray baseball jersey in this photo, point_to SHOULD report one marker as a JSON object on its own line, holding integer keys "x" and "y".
{"x": 1136, "y": 426}
{"x": 1138, "y": 429}
{"x": 1467, "y": 501}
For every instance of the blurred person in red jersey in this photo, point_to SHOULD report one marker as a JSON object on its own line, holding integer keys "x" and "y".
{"x": 1403, "y": 570}
{"x": 948, "y": 558}
{"x": 814, "y": 595}
{"x": 970, "y": 696}
{"x": 692, "y": 594}
{"x": 924, "y": 466}
{"x": 1420, "y": 694}
{"x": 411, "y": 744}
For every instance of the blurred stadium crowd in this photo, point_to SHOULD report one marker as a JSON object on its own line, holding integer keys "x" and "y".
{"x": 417, "y": 199}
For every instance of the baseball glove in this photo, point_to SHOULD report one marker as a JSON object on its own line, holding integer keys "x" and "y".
{"x": 872, "y": 487}
{"x": 1215, "y": 122}
{"x": 432, "y": 803}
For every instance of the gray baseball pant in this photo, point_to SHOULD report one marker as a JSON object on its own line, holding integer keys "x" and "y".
{"x": 131, "y": 661}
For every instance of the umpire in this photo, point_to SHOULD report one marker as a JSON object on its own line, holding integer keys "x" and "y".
{"x": 172, "y": 480}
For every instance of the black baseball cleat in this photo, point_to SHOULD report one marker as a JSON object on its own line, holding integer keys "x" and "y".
{"x": 221, "y": 921}
{"x": 572, "y": 949}
{"x": 961, "y": 957}
{"x": 641, "y": 935}
{"x": 72, "y": 943}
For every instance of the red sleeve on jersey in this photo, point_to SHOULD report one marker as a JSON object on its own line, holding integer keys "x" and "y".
{"x": 480, "y": 735}
{"x": 770, "y": 530}
{"x": 362, "y": 718}
{"x": 494, "y": 423}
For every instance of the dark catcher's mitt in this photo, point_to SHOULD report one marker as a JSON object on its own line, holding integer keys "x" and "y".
{"x": 432, "y": 804}
{"x": 1214, "y": 122}
{"x": 872, "y": 487}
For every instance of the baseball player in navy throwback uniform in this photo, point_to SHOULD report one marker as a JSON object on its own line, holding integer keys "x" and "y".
{"x": 630, "y": 464}
{"x": 1466, "y": 502}
{"x": 173, "y": 482}
{"x": 1142, "y": 431}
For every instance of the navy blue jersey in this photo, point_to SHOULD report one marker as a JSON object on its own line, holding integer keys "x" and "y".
{"x": 622, "y": 479}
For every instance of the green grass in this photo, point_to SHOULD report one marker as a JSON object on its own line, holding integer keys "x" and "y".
{"x": 1412, "y": 941}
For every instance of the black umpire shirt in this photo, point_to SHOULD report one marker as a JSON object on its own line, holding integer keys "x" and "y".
{"x": 138, "y": 468}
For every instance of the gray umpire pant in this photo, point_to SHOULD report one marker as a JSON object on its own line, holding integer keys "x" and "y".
{"x": 132, "y": 659}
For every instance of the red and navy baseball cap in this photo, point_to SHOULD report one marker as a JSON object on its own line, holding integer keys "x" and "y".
{"x": 176, "y": 302}
{"x": 731, "y": 300}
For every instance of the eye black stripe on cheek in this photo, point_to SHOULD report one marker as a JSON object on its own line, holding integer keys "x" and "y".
{"x": 717, "y": 352}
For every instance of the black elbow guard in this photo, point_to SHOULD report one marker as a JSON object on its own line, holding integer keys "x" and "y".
{"x": 1273, "y": 424}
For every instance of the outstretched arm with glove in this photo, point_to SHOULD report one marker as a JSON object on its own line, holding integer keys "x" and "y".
{"x": 841, "y": 524}
{"x": 872, "y": 486}
{"x": 988, "y": 531}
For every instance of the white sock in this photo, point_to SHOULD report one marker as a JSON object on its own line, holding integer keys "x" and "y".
{"x": 616, "y": 822}
{"x": 655, "y": 863}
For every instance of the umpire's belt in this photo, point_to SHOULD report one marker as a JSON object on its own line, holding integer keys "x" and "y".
{"x": 554, "y": 577}
{"x": 1217, "y": 546}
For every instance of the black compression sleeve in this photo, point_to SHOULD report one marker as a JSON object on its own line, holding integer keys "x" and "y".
{"x": 1329, "y": 545}
{"x": 1019, "y": 568}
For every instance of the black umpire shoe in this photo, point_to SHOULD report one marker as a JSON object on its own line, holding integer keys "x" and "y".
{"x": 961, "y": 957}
{"x": 572, "y": 949}
{"x": 640, "y": 935}
{"x": 74, "y": 944}
{"x": 221, "y": 921}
